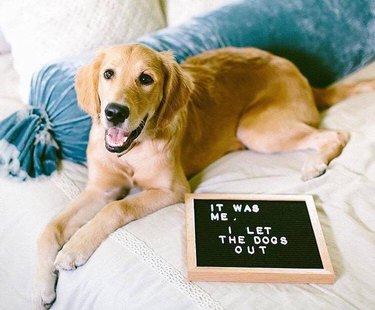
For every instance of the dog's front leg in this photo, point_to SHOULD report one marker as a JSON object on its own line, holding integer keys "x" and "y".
{"x": 113, "y": 216}
{"x": 56, "y": 233}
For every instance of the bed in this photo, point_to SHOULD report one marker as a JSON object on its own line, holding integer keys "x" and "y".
{"x": 143, "y": 265}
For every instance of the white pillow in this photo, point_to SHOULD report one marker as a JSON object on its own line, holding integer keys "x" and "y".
{"x": 4, "y": 46}
{"x": 178, "y": 11}
{"x": 41, "y": 31}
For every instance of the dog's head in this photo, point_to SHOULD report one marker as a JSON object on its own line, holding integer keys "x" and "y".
{"x": 131, "y": 89}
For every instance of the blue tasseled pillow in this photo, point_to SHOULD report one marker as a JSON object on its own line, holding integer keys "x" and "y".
{"x": 52, "y": 127}
{"x": 326, "y": 39}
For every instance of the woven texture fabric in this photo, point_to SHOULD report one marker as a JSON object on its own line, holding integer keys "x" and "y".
{"x": 326, "y": 39}
{"x": 41, "y": 31}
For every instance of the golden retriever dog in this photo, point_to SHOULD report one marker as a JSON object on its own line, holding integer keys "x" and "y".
{"x": 156, "y": 123}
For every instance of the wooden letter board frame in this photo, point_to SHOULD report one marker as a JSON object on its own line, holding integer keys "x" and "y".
{"x": 251, "y": 274}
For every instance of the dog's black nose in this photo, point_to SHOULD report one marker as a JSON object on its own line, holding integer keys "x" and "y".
{"x": 116, "y": 113}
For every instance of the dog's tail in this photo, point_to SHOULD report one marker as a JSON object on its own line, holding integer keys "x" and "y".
{"x": 327, "y": 97}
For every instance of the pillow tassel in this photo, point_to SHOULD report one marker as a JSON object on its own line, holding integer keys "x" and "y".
{"x": 27, "y": 146}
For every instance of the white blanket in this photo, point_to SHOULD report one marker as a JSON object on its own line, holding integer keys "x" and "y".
{"x": 143, "y": 265}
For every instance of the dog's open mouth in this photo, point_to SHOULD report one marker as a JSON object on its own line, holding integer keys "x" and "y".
{"x": 118, "y": 140}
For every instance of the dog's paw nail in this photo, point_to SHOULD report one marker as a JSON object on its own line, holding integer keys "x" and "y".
{"x": 64, "y": 262}
{"x": 69, "y": 261}
{"x": 44, "y": 303}
{"x": 312, "y": 171}
{"x": 45, "y": 299}
{"x": 47, "y": 305}
{"x": 65, "y": 266}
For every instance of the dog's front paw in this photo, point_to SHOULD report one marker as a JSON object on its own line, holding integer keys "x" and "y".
{"x": 69, "y": 258}
{"x": 44, "y": 293}
{"x": 76, "y": 251}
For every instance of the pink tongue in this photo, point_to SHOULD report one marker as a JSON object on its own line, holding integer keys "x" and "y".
{"x": 116, "y": 136}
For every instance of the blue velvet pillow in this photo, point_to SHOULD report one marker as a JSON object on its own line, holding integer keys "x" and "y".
{"x": 326, "y": 39}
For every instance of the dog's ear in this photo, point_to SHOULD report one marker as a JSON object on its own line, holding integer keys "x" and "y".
{"x": 176, "y": 91}
{"x": 86, "y": 84}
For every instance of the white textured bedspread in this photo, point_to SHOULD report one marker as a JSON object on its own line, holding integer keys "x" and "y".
{"x": 143, "y": 265}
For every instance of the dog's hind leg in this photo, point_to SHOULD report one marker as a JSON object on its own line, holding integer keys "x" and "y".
{"x": 270, "y": 135}
{"x": 327, "y": 144}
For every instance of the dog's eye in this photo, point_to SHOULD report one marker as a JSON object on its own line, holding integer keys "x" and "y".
{"x": 145, "y": 79}
{"x": 108, "y": 74}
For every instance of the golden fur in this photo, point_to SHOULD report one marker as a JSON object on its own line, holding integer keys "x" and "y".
{"x": 214, "y": 103}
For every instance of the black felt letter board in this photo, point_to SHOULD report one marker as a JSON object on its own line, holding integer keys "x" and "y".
{"x": 255, "y": 238}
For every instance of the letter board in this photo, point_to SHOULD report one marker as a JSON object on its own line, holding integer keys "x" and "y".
{"x": 255, "y": 238}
